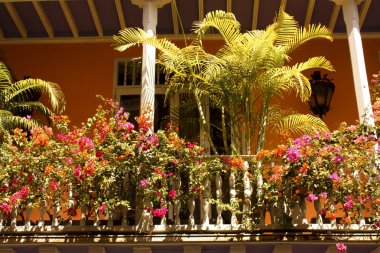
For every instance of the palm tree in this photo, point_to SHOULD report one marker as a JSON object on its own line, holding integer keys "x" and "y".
{"x": 18, "y": 97}
{"x": 256, "y": 71}
{"x": 245, "y": 76}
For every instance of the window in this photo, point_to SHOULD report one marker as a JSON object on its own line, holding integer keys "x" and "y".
{"x": 127, "y": 90}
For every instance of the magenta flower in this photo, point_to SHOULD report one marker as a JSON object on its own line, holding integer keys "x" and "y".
{"x": 311, "y": 198}
{"x": 5, "y": 208}
{"x": 349, "y": 203}
{"x": 293, "y": 155}
{"x": 54, "y": 185}
{"x": 341, "y": 247}
{"x": 103, "y": 208}
{"x": 172, "y": 194}
{"x": 305, "y": 140}
{"x": 323, "y": 195}
{"x": 160, "y": 212}
{"x": 143, "y": 183}
{"x": 338, "y": 159}
{"x": 334, "y": 177}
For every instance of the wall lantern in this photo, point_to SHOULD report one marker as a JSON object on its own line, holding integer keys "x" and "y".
{"x": 322, "y": 90}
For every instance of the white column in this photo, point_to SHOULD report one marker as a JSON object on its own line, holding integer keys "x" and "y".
{"x": 150, "y": 8}
{"x": 351, "y": 18}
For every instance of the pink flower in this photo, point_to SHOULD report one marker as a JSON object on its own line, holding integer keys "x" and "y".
{"x": 69, "y": 160}
{"x": 54, "y": 185}
{"x": 143, "y": 183}
{"x": 172, "y": 194}
{"x": 160, "y": 212}
{"x": 190, "y": 145}
{"x": 5, "y": 208}
{"x": 323, "y": 195}
{"x": 311, "y": 198}
{"x": 341, "y": 247}
{"x": 338, "y": 159}
{"x": 103, "y": 208}
{"x": 349, "y": 203}
{"x": 293, "y": 155}
{"x": 334, "y": 177}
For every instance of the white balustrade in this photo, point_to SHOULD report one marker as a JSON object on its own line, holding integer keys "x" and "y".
{"x": 219, "y": 194}
{"x": 233, "y": 201}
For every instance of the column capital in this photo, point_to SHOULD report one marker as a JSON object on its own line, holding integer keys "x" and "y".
{"x": 157, "y": 3}
{"x": 340, "y": 2}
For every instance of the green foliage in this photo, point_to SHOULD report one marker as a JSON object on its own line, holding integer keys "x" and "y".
{"x": 18, "y": 98}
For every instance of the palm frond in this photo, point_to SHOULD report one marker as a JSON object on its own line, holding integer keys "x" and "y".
{"x": 286, "y": 27}
{"x": 31, "y": 106}
{"x": 5, "y": 76}
{"x": 301, "y": 124}
{"x": 12, "y": 121}
{"x": 224, "y": 22}
{"x": 306, "y": 34}
{"x": 23, "y": 89}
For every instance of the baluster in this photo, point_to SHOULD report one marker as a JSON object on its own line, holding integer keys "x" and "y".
{"x": 82, "y": 222}
{"x": 233, "y": 201}
{"x": 56, "y": 208}
{"x": 332, "y": 209}
{"x": 124, "y": 209}
{"x": 71, "y": 204}
{"x": 28, "y": 212}
{"x": 41, "y": 222}
{"x": 147, "y": 217}
{"x": 163, "y": 218}
{"x": 177, "y": 202}
{"x": 1, "y": 220}
{"x": 260, "y": 182}
{"x": 191, "y": 205}
{"x": 14, "y": 217}
{"x": 317, "y": 207}
{"x": 247, "y": 196}
{"x": 170, "y": 205}
{"x": 219, "y": 194}
{"x": 206, "y": 203}
{"x": 361, "y": 217}
{"x": 96, "y": 217}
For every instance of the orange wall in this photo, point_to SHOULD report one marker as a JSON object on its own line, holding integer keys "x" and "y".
{"x": 84, "y": 70}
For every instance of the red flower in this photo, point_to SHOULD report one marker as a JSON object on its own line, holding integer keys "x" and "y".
{"x": 172, "y": 194}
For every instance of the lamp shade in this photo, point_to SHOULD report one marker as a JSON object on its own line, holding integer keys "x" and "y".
{"x": 322, "y": 90}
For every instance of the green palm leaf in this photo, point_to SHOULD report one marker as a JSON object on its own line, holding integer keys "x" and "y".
{"x": 301, "y": 124}
{"x": 24, "y": 90}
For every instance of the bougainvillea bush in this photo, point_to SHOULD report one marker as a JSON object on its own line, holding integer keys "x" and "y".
{"x": 338, "y": 169}
{"x": 95, "y": 166}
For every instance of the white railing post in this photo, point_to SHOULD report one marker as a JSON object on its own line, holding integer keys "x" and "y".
{"x": 206, "y": 203}
{"x": 82, "y": 222}
{"x": 41, "y": 222}
{"x": 259, "y": 194}
{"x": 177, "y": 202}
{"x": 28, "y": 212}
{"x": 233, "y": 201}
{"x": 14, "y": 217}
{"x": 219, "y": 194}
{"x": 247, "y": 196}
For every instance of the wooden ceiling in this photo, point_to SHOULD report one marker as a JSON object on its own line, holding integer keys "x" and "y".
{"x": 49, "y": 21}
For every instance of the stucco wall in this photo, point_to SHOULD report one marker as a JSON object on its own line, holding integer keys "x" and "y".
{"x": 84, "y": 70}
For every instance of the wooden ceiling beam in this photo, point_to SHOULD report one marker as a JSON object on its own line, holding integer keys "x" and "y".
{"x": 363, "y": 12}
{"x": 175, "y": 16}
{"x": 69, "y": 17}
{"x": 120, "y": 14}
{"x": 16, "y": 19}
{"x": 334, "y": 17}
{"x": 95, "y": 17}
{"x": 45, "y": 21}
{"x": 309, "y": 12}
{"x": 255, "y": 14}
{"x": 201, "y": 12}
